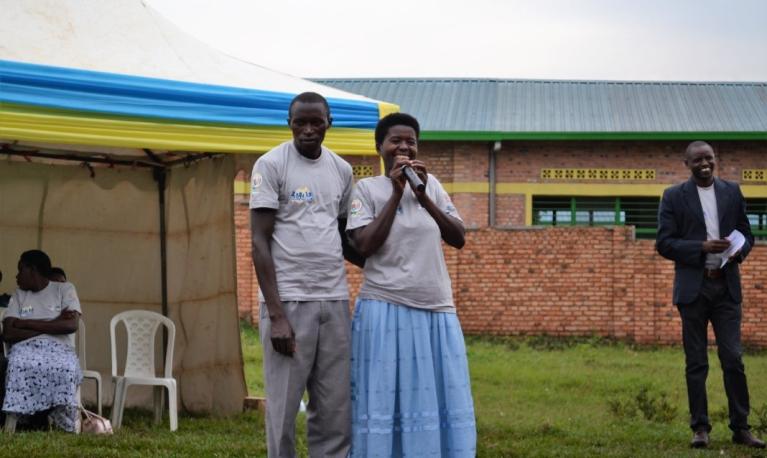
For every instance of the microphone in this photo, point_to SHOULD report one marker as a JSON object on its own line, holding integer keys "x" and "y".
{"x": 413, "y": 179}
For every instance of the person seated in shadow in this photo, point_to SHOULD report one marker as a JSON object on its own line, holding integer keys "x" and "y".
{"x": 57, "y": 274}
{"x": 4, "y": 298}
{"x": 40, "y": 323}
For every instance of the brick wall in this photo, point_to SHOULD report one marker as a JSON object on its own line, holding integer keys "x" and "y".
{"x": 247, "y": 285}
{"x": 559, "y": 281}
{"x": 583, "y": 281}
{"x": 521, "y": 162}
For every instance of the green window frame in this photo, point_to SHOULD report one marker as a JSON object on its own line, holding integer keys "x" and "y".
{"x": 756, "y": 211}
{"x": 640, "y": 212}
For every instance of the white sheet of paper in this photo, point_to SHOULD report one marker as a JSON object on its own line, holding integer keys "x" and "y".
{"x": 736, "y": 243}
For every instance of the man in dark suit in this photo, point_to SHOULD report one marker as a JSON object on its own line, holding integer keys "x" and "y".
{"x": 693, "y": 221}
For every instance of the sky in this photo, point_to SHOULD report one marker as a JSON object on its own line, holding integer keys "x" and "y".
{"x": 647, "y": 40}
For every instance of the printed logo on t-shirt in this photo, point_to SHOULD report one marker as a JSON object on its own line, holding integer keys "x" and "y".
{"x": 302, "y": 194}
{"x": 25, "y": 310}
{"x": 255, "y": 183}
{"x": 449, "y": 206}
{"x": 356, "y": 207}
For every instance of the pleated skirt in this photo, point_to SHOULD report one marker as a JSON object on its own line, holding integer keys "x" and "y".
{"x": 411, "y": 394}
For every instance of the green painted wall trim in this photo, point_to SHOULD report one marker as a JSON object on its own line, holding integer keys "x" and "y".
{"x": 494, "y": 136}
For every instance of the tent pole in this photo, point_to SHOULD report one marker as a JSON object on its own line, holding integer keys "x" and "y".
{"x": 160, "y": 175}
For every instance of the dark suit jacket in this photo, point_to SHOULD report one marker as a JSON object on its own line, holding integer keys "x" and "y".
{"x": 682, "y": 231}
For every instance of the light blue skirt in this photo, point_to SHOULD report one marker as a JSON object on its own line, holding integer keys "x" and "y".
{"x": 411, "y": 394}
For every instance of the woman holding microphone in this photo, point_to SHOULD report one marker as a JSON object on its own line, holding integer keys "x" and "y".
{"x": 410, "y": 382}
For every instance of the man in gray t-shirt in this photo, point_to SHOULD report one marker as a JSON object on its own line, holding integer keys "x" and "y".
{"x": 299, "y": 196}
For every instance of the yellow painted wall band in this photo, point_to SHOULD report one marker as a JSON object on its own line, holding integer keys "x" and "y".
{"x": 528, "y": 214}
{"x": 241, "y": 187}
{"x": 564, "y": 189}
{"x": 528, "y": 190}
{"x": 581, "y": 189}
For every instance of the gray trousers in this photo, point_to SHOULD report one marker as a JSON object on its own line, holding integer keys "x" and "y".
{"x": 321, "y": 366}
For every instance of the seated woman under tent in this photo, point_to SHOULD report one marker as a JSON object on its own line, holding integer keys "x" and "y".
{"x": 40, "y": 324}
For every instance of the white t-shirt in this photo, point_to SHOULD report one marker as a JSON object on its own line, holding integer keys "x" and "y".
{"x": 46, "y": 304}
{"x": 309, "y": 196}
{"x": 711, "y": 217}
{"x": 409, "y": 268}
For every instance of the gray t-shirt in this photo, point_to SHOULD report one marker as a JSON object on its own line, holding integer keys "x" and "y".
{"x": 409, "y": 268}
{"x": 46, "y": 304}
{"x": 309, "y": 196}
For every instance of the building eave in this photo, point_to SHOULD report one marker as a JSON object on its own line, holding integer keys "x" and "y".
{"x": 500, "y": 136}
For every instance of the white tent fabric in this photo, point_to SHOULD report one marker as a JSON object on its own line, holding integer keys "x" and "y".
{"x": 104, "y": 231}
{"x": 129, "y": 37}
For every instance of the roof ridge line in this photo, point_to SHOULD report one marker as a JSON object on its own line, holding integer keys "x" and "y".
{"x": 547, "y": 81}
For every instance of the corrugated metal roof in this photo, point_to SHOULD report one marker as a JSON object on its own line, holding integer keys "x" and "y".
{"x": 607, "y": 107}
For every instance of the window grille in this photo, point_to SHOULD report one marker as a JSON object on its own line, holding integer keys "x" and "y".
{"x": 756, "y": 211}
{"x": 640, "y": 212}
{"x": 362, "y": 171}
{"x": 598, "y": 174}
{"x": 754, "y": 174}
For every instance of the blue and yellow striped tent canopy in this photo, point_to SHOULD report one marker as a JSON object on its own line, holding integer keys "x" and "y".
{"x": 41, "y": 103}
{"x": 116, "y": 73}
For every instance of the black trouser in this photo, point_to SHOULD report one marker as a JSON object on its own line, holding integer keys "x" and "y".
{"x": 715, "y": 305}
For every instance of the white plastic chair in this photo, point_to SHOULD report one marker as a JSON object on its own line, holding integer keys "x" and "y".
{"x": 95, "y": 375}
{"x": 142, "y": 326}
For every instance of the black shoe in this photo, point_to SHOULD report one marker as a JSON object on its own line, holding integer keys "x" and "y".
{"x": 744, "y": 437}
{"x": 699, "y": 439}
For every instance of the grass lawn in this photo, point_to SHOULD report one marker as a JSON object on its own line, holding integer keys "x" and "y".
{"x": 533, "y": 397}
